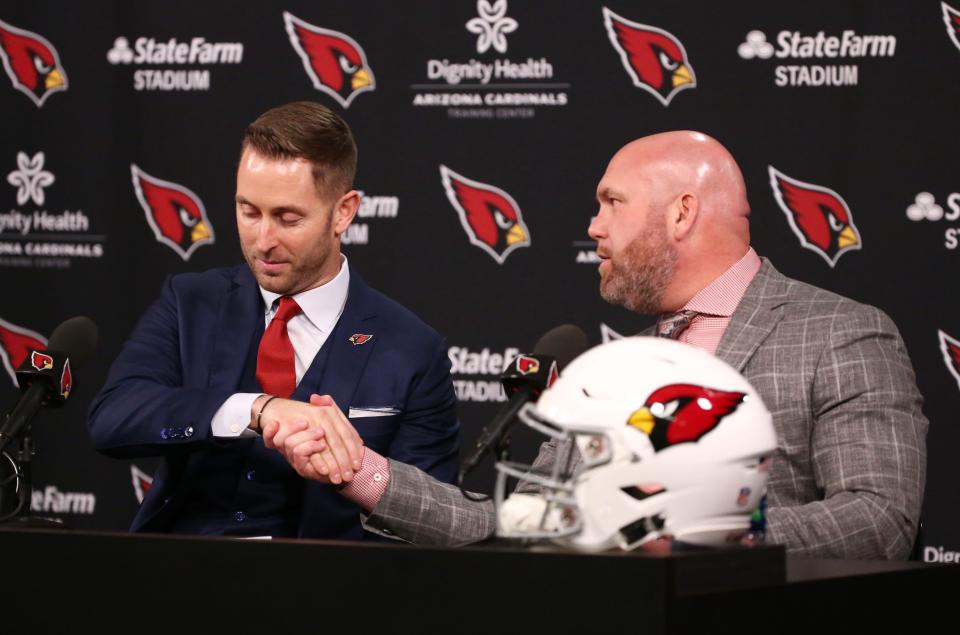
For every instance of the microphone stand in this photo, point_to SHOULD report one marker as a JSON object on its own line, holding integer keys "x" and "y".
{"x": 501, "y": 449}
{"x": 22, "y": 479}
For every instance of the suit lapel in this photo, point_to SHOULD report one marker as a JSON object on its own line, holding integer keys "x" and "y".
{"x": 759, "y": 311}
{"x": 344, "y": 362}
{"x": 241, "y": 309}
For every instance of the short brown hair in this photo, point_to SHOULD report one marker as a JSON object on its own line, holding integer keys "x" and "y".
{"x": 307, "y": 130}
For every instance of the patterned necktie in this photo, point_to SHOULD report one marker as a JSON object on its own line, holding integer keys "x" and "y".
{"x": 276, "y": 370}
{"x": 673, "y": 325}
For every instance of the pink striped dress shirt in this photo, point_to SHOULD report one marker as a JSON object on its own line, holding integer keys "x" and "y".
{"x": 717, "y": 301}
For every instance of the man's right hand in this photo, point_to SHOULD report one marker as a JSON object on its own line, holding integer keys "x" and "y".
{"x": 284, "y": 421}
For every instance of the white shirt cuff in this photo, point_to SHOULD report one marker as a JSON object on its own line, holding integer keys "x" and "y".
{"x": 233, "y": 417}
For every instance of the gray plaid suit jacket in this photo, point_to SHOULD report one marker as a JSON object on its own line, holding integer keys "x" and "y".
{"x": 848, "y": 477}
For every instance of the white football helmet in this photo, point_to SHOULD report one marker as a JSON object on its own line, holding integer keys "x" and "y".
{"x": 670, "y": 441}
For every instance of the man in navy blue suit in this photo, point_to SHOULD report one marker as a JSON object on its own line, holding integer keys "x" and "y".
{"x": 294, "y": 341}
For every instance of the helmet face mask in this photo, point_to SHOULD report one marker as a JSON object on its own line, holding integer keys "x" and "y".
{"x": 653, "y": 438}
{"x": 560, "y": 517}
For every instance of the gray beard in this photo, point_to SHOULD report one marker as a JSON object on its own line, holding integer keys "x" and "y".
{"x": 639, "y": 277}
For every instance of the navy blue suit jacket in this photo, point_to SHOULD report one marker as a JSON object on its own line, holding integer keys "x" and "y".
{"x": 187, "y": 356}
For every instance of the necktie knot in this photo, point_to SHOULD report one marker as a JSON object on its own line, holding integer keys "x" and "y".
{"x": 288, "y": 308}
{"x": 673, "y": 325}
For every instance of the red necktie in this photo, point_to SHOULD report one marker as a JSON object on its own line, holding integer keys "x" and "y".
{"x": 276, "y": 370}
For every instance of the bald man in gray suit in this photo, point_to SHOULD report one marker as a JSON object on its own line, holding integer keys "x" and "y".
{"x": 673, "y": 236}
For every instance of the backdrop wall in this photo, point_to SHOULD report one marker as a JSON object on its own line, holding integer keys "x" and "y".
{"x": 121, "y": 125}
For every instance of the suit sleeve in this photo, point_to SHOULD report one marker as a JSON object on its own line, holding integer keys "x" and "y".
{"x": 419, "y": 509}
{"x": 427, "y": 436}
{"x": 417, "y": 505}
{"x": 144, "y": 408}
{"x": 868, "y": 448}
{"x": 422, "y": 510}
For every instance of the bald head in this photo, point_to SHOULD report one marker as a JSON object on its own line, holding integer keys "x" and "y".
{"x": 672, "y": 163}
{"x": 687, "y": 190}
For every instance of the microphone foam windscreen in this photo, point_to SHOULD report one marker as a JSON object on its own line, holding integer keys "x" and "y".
{"x": 76, "y": 337}
{"x": 563, "y": 343}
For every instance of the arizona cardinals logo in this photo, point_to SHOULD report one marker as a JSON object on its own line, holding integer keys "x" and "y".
{"x": 41, "y": 361}
{"x": 683, "y": 413}
{"x": 142, "y": 482}
{"x": 175, "y": 214}
{"x": 66, "y": 380}
{"x": 818, "y": 216}
{"x": 654, "y": 58}
{"x": 527, "y": 365}
{"x": 554, "y": 374}
{"x": 951, "y": 354}
{"x": 16, "y": 344}
{"x": 32, "y": 63}
{"x": 951, "y": 17}
{"x": 334, "y": 61}
{"x": 359, "y": 338}
{"x": 490, "y": 216}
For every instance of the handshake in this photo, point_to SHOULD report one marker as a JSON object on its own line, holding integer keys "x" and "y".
{"x": 316, "y": 438}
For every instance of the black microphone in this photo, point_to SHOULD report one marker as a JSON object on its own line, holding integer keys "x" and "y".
{"x": 46, "y": 377}
{"x": 524, "y": 379}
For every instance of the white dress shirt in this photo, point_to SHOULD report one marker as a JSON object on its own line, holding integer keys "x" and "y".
{"x": 308, "y": 330}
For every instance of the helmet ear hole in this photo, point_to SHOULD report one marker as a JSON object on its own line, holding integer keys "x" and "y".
{"x": 758, "y": 464}
{"x": 595, "y": 449}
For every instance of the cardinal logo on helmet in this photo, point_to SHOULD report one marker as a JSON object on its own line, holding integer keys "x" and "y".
{"x": 818, "y": 216}
{"x": 490, "y": 216}
{"x": 175, "y": 214}
{"x": 654, "y": 59}
{"x": 31, "y": 62}
{"x": 950, "y": 348}
{"x": 683, "y": 413}
{"x": 16, "y": 344}
{"x": 334, "y": 61}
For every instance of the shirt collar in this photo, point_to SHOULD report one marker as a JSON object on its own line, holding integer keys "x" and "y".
{"x": 321, "y": 305}
{"x": 722, "y": 296}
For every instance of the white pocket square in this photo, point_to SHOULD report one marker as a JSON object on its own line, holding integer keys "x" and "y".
{"x": 372, "y": 411}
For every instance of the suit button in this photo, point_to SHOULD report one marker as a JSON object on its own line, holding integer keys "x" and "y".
{"x": 240, "y": 517}
{"x": 164, "y": 433}
{"x": 251, "y": 474}
{"x": 188, "y": 432}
